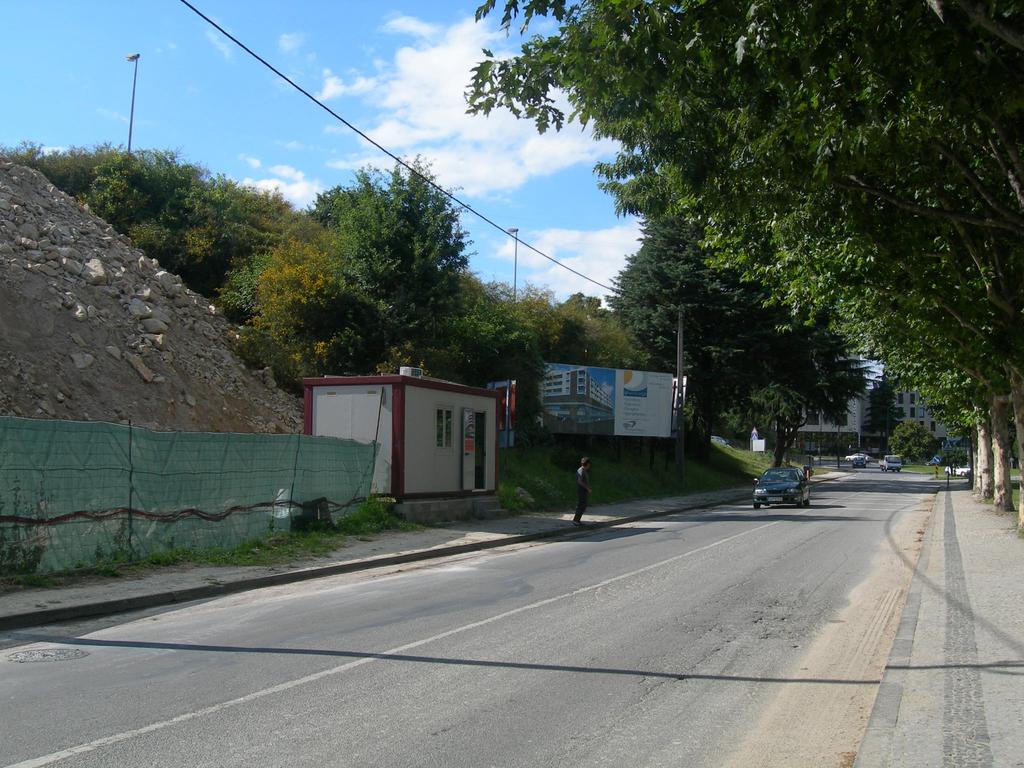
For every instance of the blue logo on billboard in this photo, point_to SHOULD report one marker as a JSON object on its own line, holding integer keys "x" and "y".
{"x": 634, "y": 384}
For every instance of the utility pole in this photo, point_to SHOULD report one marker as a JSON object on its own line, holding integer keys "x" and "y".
{"x": 680, "y": 399}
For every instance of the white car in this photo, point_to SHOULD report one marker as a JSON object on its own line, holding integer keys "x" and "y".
{"x": 958, "y": 471}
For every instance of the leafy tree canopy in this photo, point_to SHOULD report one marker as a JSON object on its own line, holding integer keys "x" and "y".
{"x": 738, "y": 347}
{"x": 865, "y": 156}
{"x": 913, "y": 442}
{"x": 401, "y": 242}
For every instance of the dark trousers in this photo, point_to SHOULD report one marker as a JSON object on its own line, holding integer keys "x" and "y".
{"x": 581, "y": 502}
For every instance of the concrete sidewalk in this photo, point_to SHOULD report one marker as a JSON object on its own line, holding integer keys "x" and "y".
{"x": 97, "y": 596}
{"x": 953, "y": 690}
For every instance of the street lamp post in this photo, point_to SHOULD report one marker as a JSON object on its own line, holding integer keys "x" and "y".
{"x": 134, "y": 58}
{"x": 514, "y": 231}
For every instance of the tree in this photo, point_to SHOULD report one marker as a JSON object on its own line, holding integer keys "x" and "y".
{"x": 401, "y": 244}
{"x": 882, "y": 414}
{"x": 310, "y": 320}
{"x": 912, "y": 441}
{"x": 724, "y": 320}
{"x": 877, "y": 150}
{"x": 738, "y": 347}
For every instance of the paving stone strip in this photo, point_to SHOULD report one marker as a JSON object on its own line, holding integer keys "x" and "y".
{"x": 965, "y": 740}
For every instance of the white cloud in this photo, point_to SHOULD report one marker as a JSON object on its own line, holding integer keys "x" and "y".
{"x": 407, "y": 25}
{"x": 287, "y": 172}
{"x": 334, "y": 86}
{"x": 252, "y": 162}
{"x": 290, "y": 41}
{"x": 219, "y": 43}
{"x": 112, "y": 115}
{"x": 598, "y": 254}
{"x": 291, "y": 183}
{"x": 421, "y": 110}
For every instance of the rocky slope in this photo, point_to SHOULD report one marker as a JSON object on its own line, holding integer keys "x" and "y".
{"x": 92, "y": 329}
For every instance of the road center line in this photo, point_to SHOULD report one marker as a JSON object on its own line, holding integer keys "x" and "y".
{"x": 107, "y": 741}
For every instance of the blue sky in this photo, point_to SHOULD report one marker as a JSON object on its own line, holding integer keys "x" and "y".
{"x": 396, "y": 70}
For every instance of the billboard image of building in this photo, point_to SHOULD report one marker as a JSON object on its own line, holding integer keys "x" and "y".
{"x": 579, "y": 399}
{"x": 606, "y": 401}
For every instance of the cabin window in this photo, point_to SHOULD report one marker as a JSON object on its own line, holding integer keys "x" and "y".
{"x": 444, "y": 427}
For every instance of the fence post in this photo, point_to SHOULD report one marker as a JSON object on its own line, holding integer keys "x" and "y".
{"x": 295, "y": 470}
{"x": 131, "y": 488}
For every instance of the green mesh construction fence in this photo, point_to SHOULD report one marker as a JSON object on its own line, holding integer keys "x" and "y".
{"x": 75, "y": 493}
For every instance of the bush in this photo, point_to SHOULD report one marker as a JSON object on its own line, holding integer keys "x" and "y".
{"x": 374, "y": 515}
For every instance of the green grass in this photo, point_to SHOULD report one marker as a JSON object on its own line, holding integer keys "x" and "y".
{"x": 275, "y": 548}
{"x": 547, "y": 474}
{"x": 921, "y": 469}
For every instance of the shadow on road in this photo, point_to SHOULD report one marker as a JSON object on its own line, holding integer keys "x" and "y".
{"x": 484, "y": 663}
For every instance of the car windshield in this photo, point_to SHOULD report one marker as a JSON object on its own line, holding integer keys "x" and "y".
{"x": 780, "y": 476}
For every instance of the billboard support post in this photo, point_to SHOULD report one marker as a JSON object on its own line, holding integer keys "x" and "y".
{"x": 680, "y": 399}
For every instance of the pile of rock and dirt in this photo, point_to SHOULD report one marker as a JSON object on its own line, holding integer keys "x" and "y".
{"x": 92, "y": 329}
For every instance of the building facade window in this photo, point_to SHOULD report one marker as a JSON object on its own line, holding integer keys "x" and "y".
{"x": 913, "y": 412}
{"x": 444, "y": 427}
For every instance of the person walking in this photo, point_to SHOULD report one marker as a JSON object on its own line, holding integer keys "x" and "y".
{"x": 582, "y": 489}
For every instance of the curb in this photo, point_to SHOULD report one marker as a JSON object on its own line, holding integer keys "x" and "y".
{"x": 123, "y": 605}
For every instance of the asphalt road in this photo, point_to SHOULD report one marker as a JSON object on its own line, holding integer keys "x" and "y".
{"x": 653, "y": 644}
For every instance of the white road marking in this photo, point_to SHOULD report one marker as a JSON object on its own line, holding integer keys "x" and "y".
{"x": 107, "y": 741}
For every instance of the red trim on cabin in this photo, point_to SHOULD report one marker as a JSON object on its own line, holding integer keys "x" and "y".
{"x": 447, "y": 386}
{"x": 307, "y": 409}
{"x": 397, "y": 437}
{"x": 497, "y": 450}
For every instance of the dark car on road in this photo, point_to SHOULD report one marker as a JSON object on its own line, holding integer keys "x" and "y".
{"x": 782, "y": 485}
{"x": 859, "y": 462}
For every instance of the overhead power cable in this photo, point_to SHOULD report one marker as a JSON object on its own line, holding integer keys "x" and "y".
{"x": 392, "y": 155}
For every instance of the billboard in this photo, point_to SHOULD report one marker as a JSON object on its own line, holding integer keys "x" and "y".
{"x": 583, "y": 399}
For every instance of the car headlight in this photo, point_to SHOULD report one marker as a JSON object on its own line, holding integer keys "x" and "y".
{"x": 760, "y": 490}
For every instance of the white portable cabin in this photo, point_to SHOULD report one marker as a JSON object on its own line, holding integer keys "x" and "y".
{"x": 437, "y": 438}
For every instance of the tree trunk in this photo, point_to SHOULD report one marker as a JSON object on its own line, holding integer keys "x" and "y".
{"x": 1017, "y": 396}
{"x": 1002, "y": 496}
{"x": 779, "y": 452}
{"x": 983, "y": 460}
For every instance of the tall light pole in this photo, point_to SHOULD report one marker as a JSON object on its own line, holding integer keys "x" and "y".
{"x": 514, "y": 231}
{"x": 131, "y": 119}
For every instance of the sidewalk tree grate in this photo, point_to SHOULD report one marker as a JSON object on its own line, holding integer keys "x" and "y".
{"x": 47, "y": 654}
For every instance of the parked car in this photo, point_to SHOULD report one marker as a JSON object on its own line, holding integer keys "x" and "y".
{"x": 891, "y": 463}
{"x": 782, "y": 485}
{"x": 853, "y": 456}
{"x": 958, "y": 471}
{"x": 718, "y": 439}
{"x": 859, "y": 462}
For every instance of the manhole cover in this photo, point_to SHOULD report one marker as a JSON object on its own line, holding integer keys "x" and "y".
{"x": 47, "y": 654}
